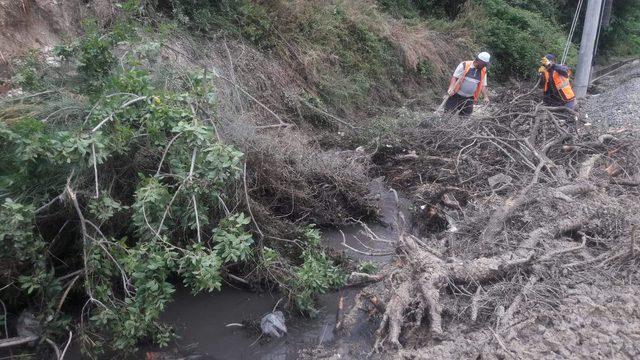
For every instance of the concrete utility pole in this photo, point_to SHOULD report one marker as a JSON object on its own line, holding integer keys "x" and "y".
{"x": 606, "y": 16}
{"x": 587, "y": 45}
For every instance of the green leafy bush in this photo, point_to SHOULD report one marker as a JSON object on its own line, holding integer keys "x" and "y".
{"x": 517, "y": 38}
{"x": 19, "y": 240}
{"x": 549, "y": 10}
{"x": 28, "y": 74}
{"x": 95, "y": 57}
{"x": 316, "y": 275}
{"x": 622, "y": 36}
{"x": 232, "y": 242}
{"x": 171, "y": 194}
{"x": 240, "y": 17}
{"x": 415, "y": 8}
{"x": 104, "y": 207}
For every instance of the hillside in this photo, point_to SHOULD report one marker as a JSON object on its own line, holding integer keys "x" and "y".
{"x": 154, "y": 149}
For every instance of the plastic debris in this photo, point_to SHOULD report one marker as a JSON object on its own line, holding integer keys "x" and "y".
{"x": 273, "y": 324}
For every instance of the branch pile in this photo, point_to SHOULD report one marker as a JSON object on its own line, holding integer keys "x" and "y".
{"x": 513, "y": 210}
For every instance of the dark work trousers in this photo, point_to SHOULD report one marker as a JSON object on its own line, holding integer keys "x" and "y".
{"x": 459, "y": 104}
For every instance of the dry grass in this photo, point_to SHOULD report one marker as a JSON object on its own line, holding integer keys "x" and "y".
{"x": 290, "y": 179}
{"x": 294, "y": 179}
{"x": 418, "y": 43}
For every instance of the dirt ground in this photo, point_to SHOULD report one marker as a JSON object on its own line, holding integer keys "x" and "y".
{"x": 41, "y": 24}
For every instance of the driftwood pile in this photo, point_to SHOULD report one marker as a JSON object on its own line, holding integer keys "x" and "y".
{"x": 511, "y": 209}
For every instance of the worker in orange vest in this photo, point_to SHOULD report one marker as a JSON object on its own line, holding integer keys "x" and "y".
{"x": 469, "y": 80}
{"x": 555, "y": 83}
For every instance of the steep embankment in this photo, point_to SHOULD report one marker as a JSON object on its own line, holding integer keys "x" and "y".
{"x": 41, "y": 24}
{"x": 133, "y": 158}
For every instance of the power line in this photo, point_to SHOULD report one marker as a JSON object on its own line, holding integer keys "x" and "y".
{"x": 574, "y": 24}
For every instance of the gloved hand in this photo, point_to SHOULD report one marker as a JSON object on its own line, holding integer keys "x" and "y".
{"x": 451, "y": 92}
{"x": 544, "y": 61}
{"x": 541, "y": 69}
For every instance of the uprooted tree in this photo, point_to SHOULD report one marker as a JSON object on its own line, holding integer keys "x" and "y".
{"x": 511, "y": 203}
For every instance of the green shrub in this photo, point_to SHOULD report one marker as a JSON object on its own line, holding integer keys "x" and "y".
{"x": 364, "y": 60}
{"x": 19, "y": 240}
{"x": 316, "y": 275}
{"x": 170, "y": 197}
{"x": 622, "y": 36}
{"x": 95, "y": 58}
{"x": 517, "y": 38}
{"x": 549, "y": 10}
{"x": 239, "y": 17}
{"x": 415, "y": 8}
{"x": 28, "y": 74}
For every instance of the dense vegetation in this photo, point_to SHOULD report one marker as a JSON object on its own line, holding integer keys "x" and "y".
{"x": 113, "y": 182}
{"x": 516, "y": 32}
{"x": 621, "y": 37}
{"x": 116, "y": 184}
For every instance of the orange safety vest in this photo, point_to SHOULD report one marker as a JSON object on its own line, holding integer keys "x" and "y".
{"x": 562, "y": 85}
{"x": 467, "y": 67}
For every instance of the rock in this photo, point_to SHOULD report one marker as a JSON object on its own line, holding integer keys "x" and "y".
{"x": 619, "y": 103}
{"x": 541, "y": 329}
{"x": 273, "y": 324}
{"x": 27, "y": 325}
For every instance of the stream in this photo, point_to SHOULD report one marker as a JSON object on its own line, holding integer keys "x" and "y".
{"x": 202, "y": 321}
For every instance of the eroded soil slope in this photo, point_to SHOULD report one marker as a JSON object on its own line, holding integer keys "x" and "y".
{"x": 40, "y": 24}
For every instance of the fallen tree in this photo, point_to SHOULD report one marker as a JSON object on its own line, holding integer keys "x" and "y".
{"x": 121, "y": 179}
{"x": 506, "y": 204}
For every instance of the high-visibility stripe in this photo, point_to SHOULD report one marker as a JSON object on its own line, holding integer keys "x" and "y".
{"x": 562, "y": 84}
{"x": 483, "y": 74}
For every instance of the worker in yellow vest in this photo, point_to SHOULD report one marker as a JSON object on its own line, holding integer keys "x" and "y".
{"x": 555, "y": 83}
{"x": 469, "y": 80}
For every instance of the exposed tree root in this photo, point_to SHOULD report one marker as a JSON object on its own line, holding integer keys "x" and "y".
{"x": 510, "y": 213}
{"x": 427, "y": 276}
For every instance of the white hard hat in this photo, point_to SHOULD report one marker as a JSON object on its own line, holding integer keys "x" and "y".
{"x": 485, "y": 57}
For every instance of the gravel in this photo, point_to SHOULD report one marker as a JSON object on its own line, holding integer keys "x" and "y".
{"x": 617, "y": 104}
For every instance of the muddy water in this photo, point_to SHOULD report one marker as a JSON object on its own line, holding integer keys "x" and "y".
{"x": 390, "y": 209}
{"x": 201, "y": 321}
